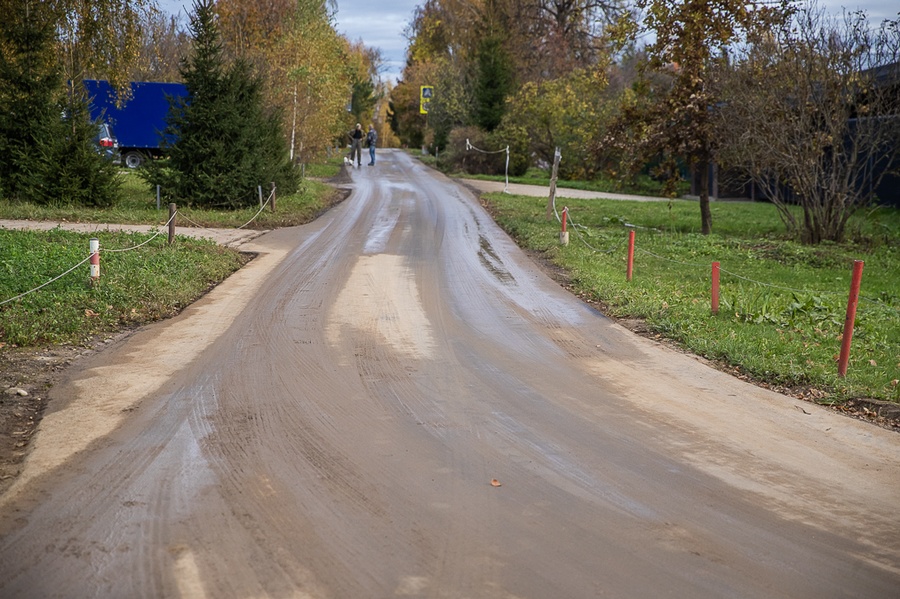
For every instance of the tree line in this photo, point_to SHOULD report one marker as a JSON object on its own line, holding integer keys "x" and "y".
{"x": 797, "y": 106}
{"x": 268, "y": 88}
{"x": 801, "y": 107}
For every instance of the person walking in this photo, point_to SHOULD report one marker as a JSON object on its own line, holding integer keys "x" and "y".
{"x": 356, "y": 137}
{"x": 371, "y": 141}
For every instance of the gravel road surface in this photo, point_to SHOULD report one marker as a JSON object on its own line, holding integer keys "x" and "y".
{"x": 393, "y": 401}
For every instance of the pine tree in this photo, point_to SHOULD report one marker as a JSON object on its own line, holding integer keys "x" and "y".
{"x": 223, "y": 142}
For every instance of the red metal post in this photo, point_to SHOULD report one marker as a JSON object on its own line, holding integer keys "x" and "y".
{"x": 851, "y": 317}
{"x": 565, "y": 215}
{"x": 715, "y": 287}
{"x": 630, "y": 269}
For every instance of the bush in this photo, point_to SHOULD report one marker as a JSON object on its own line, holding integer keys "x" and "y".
{"x": 484, "y": 153}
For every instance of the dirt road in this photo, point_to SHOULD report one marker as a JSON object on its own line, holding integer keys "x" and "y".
{"x": 394, "y": 402}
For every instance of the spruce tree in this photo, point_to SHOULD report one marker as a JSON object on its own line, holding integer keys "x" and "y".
{"x": 494, "y": 80}
{"x": 47, "y": 151}
{"x": 220, "y": 140}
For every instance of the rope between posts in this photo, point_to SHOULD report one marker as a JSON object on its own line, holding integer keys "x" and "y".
{"x": 196, "y": 224}
{"x": 21, "y": 295}
{"x": 56, "y": 278}
{"x": 155, "y": 235}
{"x": 469, "y": 146}
{"x": 261, "y": 208}
{"x": 576, "y": 226}
{"x": 763, "y": 283}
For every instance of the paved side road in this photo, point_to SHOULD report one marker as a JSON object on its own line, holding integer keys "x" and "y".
{"x": 226, "y": 237}
{"x": 561, "y": 192}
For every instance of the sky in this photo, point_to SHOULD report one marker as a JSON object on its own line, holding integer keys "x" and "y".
{"x": 378, "y": 23}
{"x": 381, "y": 23}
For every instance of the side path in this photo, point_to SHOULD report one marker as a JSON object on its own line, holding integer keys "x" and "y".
{"x": 544, "y": 191}
{"x": 226, "y": 237}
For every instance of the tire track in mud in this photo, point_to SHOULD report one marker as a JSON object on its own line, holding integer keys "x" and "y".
{"x": 419, "y": 391}
{"x": 293, "y": 433}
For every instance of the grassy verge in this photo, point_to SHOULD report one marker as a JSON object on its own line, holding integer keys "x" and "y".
{"x": 782, "y": 304}
{"x": 138, "y": 206}
{"x": 641, "y": 185}
{"x": 152, "y": 282}
{"x": 149, "y": 283}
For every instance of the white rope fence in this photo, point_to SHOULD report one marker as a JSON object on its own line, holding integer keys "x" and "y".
{"x": 155, "y": 235}
{"x": 579, "y": 228}
{"x": 128, "y": 249}
{"x": 21, "y": 295}
{"x": 469, "y": 146}
{"x": 261, "y": 208}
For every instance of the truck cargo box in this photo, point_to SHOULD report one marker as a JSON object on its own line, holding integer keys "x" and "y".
{"x": 139, "y": 122}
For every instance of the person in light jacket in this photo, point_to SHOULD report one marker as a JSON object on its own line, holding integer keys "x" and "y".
{"x": 356, "y": 137}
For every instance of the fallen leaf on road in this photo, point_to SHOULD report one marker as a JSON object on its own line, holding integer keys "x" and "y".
{"x": 495, "y": 482}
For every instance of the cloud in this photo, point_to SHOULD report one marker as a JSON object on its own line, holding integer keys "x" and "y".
{"x": 379, "y": 24}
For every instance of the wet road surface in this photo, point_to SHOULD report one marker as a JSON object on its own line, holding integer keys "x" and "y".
{"x": 328, "y": 424}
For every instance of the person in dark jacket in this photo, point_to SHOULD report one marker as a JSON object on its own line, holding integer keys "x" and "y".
{"x": 371, "y": 142}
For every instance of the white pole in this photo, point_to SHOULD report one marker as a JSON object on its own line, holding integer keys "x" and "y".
{"x": 95, "y": 257}
{"x": 506, "y": 189}
{"x": 294, "y": 124}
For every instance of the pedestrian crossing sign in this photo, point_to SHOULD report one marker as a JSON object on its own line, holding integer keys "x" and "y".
{"x": 426, "y": 93}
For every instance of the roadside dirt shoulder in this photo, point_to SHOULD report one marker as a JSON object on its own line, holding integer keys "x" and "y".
{"x": 26, "y": 377}
{"x": 879, "y": 413}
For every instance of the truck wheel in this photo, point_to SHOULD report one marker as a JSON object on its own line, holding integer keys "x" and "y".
{"x": 133, "y": 159}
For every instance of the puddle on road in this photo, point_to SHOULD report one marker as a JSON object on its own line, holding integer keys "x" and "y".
{"x": 489, "y": 258}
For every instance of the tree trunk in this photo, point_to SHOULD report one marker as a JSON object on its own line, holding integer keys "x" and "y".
{"x": 705, "y": 214}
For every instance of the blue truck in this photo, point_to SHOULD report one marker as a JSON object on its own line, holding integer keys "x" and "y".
{"x": 138, "y": 123}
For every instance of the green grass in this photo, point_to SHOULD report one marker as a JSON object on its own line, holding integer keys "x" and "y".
{"x": 138, "y": 206}
{"x": 152, "y": 282}
{"x": 782, "y": 305}
{"x": 146, "y": 284}
{"x": 324, "y": 170}
{"x": 642, "y": 185}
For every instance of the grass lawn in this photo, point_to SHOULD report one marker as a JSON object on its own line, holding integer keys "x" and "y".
{"x": 782, "y": 305}
{"x": 138, "y": 206}
{"x": 148, "y": 283}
